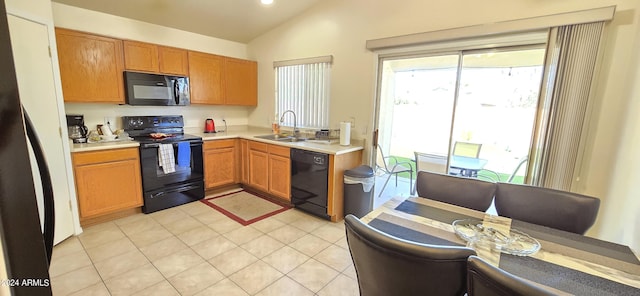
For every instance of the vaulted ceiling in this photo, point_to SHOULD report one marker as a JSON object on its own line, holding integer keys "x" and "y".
{"x": 235, "y": 20}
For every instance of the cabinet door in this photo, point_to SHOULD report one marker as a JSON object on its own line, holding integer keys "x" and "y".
{"x": 220, "y": 167}
{"x": 280, "y": 176}
{"x": 107, "y": 187}
{"x": 244, "y": 161}
{"x": 173, "y": 61}
{"x": 139, "y": 56}
{"x": 90, "y": 67}
{"x": 259, "y": 170}
{"x": 241, "y": 82}
{"x": 205, "y": 78}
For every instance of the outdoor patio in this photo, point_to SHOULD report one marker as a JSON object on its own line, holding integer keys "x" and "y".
{"x": 401, "y": 190}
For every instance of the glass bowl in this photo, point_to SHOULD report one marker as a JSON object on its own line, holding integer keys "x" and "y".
{"x": 515, "y": 242}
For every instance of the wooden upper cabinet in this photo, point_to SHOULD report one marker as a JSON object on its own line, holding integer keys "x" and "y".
{"x": 241, "y": 82}
{"x": 147, "y": 57}
{"x": 140, "y": 56}
{"x": 90, "y": 67}
{"x": 173, "y": 60}
{"x": 205, "y": 78}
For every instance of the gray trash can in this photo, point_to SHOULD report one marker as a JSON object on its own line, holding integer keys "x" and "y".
{"x": 358, "y": 190}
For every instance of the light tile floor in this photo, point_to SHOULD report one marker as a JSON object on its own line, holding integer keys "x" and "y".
{"x": 194, "y": 250}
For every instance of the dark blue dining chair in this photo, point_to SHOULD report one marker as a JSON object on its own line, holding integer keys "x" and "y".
{"x": 387, "y": 265}
{"x": 464, "y": 192}
{"x": 484, "y": 279}
{"x": 557, "y": 209}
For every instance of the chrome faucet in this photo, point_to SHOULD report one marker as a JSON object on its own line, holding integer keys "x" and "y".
{"x": 295, "y": 130}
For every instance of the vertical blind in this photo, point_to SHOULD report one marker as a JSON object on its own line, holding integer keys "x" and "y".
{"x": 302, "y": 86}
{"x": 574, "y": 54}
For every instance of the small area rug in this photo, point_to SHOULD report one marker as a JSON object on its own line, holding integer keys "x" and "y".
{"x": 244, "y": 207}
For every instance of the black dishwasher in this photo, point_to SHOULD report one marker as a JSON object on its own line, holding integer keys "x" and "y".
{"x": 309, "y": 181}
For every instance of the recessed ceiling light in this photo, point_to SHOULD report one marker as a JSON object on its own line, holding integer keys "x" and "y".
{"x": 266, "y": 2}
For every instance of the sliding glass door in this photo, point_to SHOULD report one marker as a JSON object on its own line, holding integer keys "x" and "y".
{"x": 469, "y": 113}
{"x": 417, "y": 108}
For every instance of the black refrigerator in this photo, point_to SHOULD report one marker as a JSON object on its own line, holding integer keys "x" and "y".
{"x": 27, "y": 251}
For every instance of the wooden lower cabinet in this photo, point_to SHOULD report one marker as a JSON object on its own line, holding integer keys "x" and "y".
{"x": 267, "y": 168}
{"x": 258, "y": 166}
{"x": 220, "y": 163}
{"x": 270, "y": 169}
{"x": 280, "y": 172}
{"x": 107, "y": 181}
{"x": 244, "y": 161}
{"x": 337, "y": 165}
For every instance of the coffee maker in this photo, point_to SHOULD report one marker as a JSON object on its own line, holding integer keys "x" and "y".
{"x": 77, "y": 129}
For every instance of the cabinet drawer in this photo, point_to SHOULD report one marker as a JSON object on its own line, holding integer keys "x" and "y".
{"x": 279, "y": 150}
{"x": 258, "y": 146}
{"x": 82, "y": 158}
{"x": 215, "y": 144}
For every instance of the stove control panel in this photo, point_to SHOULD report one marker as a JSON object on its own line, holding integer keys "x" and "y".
{"x": 147, "y": 122}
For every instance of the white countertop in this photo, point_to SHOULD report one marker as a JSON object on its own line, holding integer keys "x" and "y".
{"x": 103, "y": 146}
{"x": 243, "y": 132}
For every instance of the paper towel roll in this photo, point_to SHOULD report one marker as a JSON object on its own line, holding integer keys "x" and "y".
{"x": 345, "y": 133}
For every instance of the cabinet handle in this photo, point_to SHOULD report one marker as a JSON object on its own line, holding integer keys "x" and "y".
{"x": 180, "y": 189}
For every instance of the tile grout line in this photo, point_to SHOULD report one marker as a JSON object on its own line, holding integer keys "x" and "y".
{"x": 291, "y": 222}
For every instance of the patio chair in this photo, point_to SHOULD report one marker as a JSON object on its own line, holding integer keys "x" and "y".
{"x": 465, "y": 149}
{"x": 387, "y": 265}
{"x": 391, "y": 166}
{"x": 489, "y": 175}
{"x": 429, "y": 162}
{"x": 557, "y": 209}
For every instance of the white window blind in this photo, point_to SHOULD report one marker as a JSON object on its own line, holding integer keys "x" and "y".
{"x": 302, "y": 86}
{"x": 573, "y": 53}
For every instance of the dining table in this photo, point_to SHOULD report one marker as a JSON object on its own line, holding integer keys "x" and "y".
{"x": 468, "y": 166}
{"x": 566, "y": 263}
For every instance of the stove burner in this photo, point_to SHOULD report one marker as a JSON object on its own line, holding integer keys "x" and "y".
{"x": 160, "y": 135}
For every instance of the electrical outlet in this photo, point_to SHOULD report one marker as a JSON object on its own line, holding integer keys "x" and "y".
{"x": 353, "y": 122}
{"x": 111, "y": 122}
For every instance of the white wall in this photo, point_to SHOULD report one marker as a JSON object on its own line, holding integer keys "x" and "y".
{"x": 38, "y": 9}
{"x": 621, "y": 219}
{"x": 105, "y": 24}
{"x": 341, "y": 28}
{"x": 194, "y": 115}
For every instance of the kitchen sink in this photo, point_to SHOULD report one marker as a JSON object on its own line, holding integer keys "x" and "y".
{"x": 281, "y": 138}
{"x": 290, "y": 138}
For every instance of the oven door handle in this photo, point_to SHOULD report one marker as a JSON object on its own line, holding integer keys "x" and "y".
{"x": 156, "y": 145}
{"x": 179, "y": 189}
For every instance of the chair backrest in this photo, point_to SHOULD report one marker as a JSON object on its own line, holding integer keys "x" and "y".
{"x": 467, "y": 149}
{"x": 431, "y": 162}
{"x": 381, "y": 160}
{"x": 465, "y": 192}
{"x": 483, "y": 279}
{"x": 387, "y": 265}
{"x": 557, "y": 209}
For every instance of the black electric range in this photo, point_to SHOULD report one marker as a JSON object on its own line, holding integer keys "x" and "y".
{"x": 171, "y": 164}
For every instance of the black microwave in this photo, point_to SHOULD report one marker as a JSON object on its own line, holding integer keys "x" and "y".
{"x": 156, "y": 90}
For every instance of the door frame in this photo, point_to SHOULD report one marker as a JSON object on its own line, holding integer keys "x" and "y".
{"x": 453, "y": 47}
{"x": 61, "y": 116}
